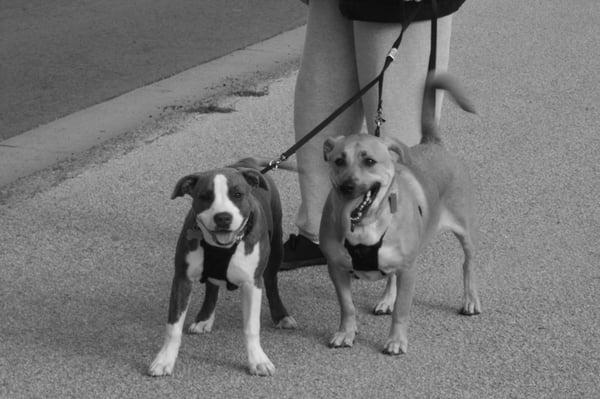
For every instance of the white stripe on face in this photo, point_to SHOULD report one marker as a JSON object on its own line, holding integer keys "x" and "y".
{"x": 221, "y": 203}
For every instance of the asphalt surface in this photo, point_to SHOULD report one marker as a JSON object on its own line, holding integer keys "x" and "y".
{"x": 86, "y": 248}
{"x": 61, "y": 56}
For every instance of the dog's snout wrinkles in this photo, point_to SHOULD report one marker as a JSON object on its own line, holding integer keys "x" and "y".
{"x": 223, "y": 219}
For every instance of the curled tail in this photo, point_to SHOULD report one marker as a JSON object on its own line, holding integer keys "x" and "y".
{"x": 433, "y": 82}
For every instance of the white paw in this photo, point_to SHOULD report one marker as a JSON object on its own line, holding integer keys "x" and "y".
{"x": 471, "y": 306}
{"x": 259, "y": 364}
{"x": 202, "y": 327}
{"x": 262, "y": 369}
{"x": 395, "y": 346}
{"x": 163, "y": 364}
{"x": 287, "y": 323}
{"x": 384, "y": 307}
{"x": 342, "y": 339}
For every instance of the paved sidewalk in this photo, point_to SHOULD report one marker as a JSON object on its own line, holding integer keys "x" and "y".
{"x": 87, "y": 260}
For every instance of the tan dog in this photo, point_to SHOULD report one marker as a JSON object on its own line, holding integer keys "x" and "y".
{"x": 387, "y": 202}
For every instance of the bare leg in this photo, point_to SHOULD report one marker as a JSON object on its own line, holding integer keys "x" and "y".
{"x": 327, "y": 78}
{"x": 405, "y": 78}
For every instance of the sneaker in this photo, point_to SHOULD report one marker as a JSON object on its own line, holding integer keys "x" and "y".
{"x": 299, "y": 251}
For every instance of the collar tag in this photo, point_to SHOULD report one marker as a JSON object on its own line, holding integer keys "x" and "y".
{"x": 393, "y": 202}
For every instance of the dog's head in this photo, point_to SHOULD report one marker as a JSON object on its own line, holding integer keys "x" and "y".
{"x": 221, "y": 201}
{"x": 362, "y": 168}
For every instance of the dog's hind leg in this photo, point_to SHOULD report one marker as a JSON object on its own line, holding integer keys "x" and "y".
{"x": 279, "y": 313}
{"x": 386, "y": 303}
{"x": 206, "y": 316}
{"x": 471, "y": 304}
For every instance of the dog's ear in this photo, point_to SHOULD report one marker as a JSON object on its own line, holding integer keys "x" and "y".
{"x": 185, "y": 185}
{"x": 254, "y": 178}
{"x": 400, "y": 149}
{"x": 329, "y": 145}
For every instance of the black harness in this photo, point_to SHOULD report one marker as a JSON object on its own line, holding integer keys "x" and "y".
{"x": 216, "y": 263}
{"x": 364, "y": 257}
{"x": 217, "y": 259}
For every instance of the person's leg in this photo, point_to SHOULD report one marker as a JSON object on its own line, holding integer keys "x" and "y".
{"x": 405, "y": 78}
{"x": 327, "y": 78}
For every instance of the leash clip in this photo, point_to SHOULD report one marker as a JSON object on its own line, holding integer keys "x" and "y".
{"x": 393, "y": 53}
{"x": 274, "y": 164}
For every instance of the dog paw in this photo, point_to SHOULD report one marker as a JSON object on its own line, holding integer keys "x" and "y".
{"x": 161, "y": 366}
{"x": 471, "y": 307}
{"x": 395, "y": 347}
{"x": 287, "y": 323}
{"x": 383, "y": 308}
{"x": 201, "y": 327}
{"x": 342, "y": 339}
{"x": 262, "y": 369}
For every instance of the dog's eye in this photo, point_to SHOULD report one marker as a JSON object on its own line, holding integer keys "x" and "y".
{"x": 236, "y": 195}
{"x": 370, "y": 161}
{"x": 340, "y": 162}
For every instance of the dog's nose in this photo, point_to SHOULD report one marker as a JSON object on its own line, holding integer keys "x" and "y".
{"x": 223, "y": 219}
{"x": 347, "y": 187}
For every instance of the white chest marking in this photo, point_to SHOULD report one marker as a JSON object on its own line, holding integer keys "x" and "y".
{"x": 195, "y": 261}
{"x": 242, "y": 267}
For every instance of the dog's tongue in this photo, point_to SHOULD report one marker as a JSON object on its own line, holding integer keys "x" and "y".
{"x": 224, "y": 237}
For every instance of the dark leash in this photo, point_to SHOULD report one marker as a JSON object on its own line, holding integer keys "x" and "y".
{"x": 274, "y": 164}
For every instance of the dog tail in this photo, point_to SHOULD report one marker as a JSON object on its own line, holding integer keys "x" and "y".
{"x": 433, "y": 82}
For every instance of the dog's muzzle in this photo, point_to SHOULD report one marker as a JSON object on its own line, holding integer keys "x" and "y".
{"x": 369, "y": 197}
{"x": 226, "y": 237}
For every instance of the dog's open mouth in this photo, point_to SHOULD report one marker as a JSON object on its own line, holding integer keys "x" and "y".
{"x": 224, "y": 237}
{"x": 357, "y": 213}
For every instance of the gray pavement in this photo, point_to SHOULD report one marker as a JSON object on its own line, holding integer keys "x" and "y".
{"x": 87, "y": 258}
{"x": 61, "y": 56}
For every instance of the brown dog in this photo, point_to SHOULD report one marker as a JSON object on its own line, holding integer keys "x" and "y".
{"x": 387, "y": 201}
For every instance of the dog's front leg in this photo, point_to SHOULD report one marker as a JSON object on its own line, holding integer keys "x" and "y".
{"x": 180, "y": 297}
{"x": 258, "y": 362}
{"x": 397, "y": 341}
{"x": 344, "y": 337}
